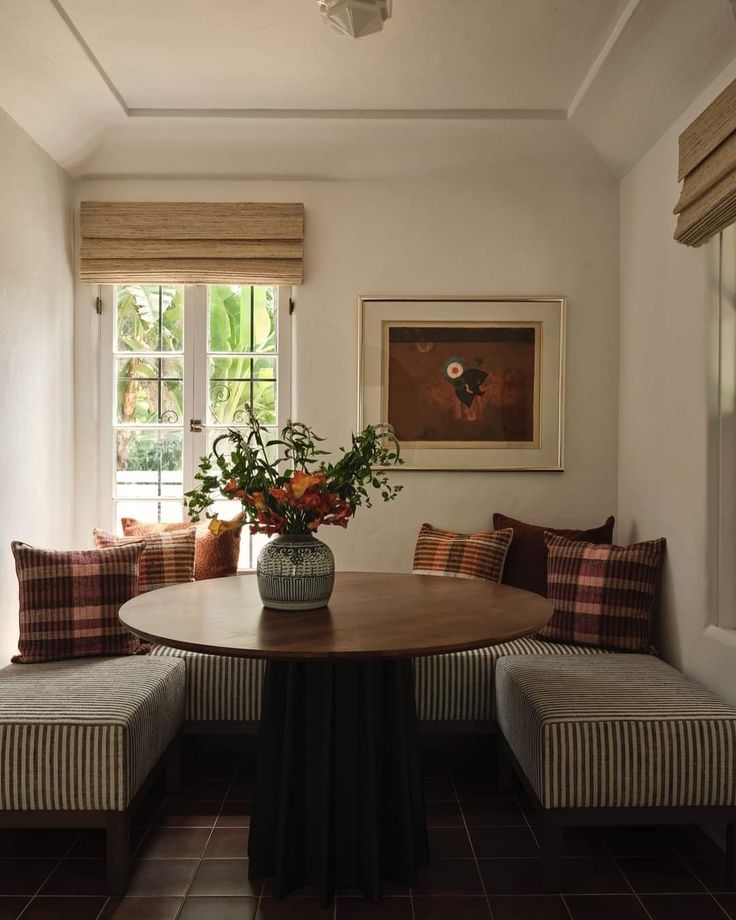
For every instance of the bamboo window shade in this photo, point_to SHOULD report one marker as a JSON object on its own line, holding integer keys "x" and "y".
{"x": 191, "y": 242}
{"x": 707, "y": 203}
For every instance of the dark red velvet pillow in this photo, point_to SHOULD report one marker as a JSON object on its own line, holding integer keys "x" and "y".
{"x": 526, "y": 561}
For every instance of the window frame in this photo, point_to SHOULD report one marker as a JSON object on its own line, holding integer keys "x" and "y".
{"x": 195, "y": 358}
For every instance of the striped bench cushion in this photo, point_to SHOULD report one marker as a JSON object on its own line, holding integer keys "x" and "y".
{"x": 622, "y": 731}
{"x": 448, "y": 687}
{"x": 83, "y": 735}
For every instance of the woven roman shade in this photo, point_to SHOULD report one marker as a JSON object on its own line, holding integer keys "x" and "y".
{"x": 707, "y": 203}
{"x": 191, "y": 242}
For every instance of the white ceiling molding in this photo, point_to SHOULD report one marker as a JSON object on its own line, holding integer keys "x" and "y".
{"x": 361, "y": 114}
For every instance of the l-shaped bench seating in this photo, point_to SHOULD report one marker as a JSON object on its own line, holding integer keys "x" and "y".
{"x": 80, "y": 740}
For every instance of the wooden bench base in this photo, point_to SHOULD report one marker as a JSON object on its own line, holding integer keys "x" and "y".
{"x": 555, "y": 820}
{"x": 115, "y": 823}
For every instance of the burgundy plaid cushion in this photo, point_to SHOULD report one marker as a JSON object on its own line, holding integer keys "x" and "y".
{"x": 69, "y": 602}
{"x": 603, "y": 595}
{"x": 167, "y": 558}
{"x": 462, "y": 555}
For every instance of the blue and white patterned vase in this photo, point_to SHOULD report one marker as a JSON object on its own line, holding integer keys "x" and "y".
{"x": 295, "y": 572}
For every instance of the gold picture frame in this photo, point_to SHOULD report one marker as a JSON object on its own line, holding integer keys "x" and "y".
{"x": 467, "y": 382}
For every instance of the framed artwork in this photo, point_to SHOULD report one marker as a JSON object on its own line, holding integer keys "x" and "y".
{"x": 466, "y": 383}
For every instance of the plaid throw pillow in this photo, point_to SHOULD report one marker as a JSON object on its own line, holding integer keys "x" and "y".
{"x": 215, "y": 555}
{"x": 167, "y": 558}
{"x": 603, "y": 595}
{"x": 69, "y": 602}
{"x": 461, "y": 555}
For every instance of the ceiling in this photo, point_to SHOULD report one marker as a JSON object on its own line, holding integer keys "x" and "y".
{"x": 175, "y": 86}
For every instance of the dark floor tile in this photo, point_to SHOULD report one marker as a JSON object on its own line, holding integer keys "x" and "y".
{"x": 682, "y": 907}
{"x": 727, "y": 900}
{"x": 455, "y": 908}
{"x": 42, "y": 842}
{"x": 503, "y": 841}
{"x": 204, "y": 788}
{"x": 444, "y": 814}
{"x": 449, "y": 841}
{"x": 141, "y": 909}
{"x": 508, "y": 877}
{"x": 582, "y": 842}
{"x": 77, "y": 877}
{"x": 173, "y": 843}
{"x": 389, "y": 889}
{"x": 64, "y": 908}
{"x": 235, "y": 814}
{"x": 160, "y": 878}
{"x": 692, "y": 841}
{"x": 293, "y": 909}
{"x": 638, "y": 842}
{"x": 189, "y": 813}
{"x": 387, "y": 909}
{"x": 592, "y": 876}
{"x": 11, "y": 907}
{"x": 92, "y": 844}
{"x": 605, "y": 907}
{"x": 228, "y": 843}
{"x": 148, "y": 811}
{"x": 448, "y": 877}
{"x": 659, "y": 876}
{"x": 475, "y": 787}
{"x": 6, "y": 836}
{"x": 500, "y": 811}
{"x": 534, "y": 907}
{"x": 241, "y": 790}
{"x": 438, "y": 787}
{"x": 224, "y": 877}
{"x": 711, "y": 872}
{"x": 24, "y": 876}
{"x": 217, "y": 908}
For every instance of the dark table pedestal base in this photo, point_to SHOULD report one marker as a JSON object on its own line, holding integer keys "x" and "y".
{"x": 339, "y": 798}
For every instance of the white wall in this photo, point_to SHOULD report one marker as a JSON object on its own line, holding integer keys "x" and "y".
{"x": 667, "y": 457}
{"x": 36, "y": 374}
{"x": 542, "y": 219}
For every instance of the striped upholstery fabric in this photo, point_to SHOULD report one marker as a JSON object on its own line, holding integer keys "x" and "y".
{"x": 621, "y": 731}
{"x": 460, "y": 686}
{"x": 69, "y": 602}
{"x": 167, "y": 558}
{"x": 219, "y": 688}
{"x": 461, "y": 555}
{"x": 603, "y": 595}
{"x": 83, "y": 735}
{"x": 457, "y": 687}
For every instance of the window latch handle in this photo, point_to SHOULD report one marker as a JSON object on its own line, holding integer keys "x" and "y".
{"x": 195, "y": 425}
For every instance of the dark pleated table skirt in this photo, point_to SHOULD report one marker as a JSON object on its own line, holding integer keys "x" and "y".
{"x": 339, "y": 798}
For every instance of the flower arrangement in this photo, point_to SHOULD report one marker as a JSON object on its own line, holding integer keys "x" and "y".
{"x": 297, "y": 492}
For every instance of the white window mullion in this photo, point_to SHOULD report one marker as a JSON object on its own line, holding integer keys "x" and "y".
{"x": 106, "y": 408}
{"x": 195, "y": 373}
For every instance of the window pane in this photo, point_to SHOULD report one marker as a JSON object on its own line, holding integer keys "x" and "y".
{"x": 150, "y": 317}
{"x": 149, "y": 390}
{"x": 223, "y": 446}
{"x": 148, "y": 463}
{"x": 236, "y": 383}
{"x": 241, "y": 318}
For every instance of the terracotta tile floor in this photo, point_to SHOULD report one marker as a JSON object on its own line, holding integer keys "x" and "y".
{"x": 190, "y": 858}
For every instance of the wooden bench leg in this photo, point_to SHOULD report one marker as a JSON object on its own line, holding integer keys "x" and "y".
{"x": 551, "y": 842}
{"x": 118, "y": 852}
{"x": 731, "y": 855}
{"x": 173, "y": 766}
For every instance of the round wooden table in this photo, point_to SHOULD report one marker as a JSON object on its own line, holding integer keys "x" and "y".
{"x": 339, "y": 796}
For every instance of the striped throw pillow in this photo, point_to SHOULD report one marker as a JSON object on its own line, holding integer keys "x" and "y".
{"x": 167, "y": 558}
{"x": 603, "y": 595}
{"x": 461, "y": 555}
{"x": 215, "y": 556}
{"x": 69, "y": 601}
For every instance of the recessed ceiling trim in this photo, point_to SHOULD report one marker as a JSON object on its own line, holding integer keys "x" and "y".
{"x": 91, "y": 55}
{"x": 603, "y": 54}
{"x": 360, "y": 114}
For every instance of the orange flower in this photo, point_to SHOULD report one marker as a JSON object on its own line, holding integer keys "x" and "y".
{"x": 257, "y": 499}
{"x": 217, "y": 526}
{"x": 230, "y": 487}
{"x": 300, "y": 482}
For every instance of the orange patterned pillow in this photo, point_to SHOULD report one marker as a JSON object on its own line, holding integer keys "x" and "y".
{"x": 215, "y": 555}
{"x": 167, "y": 558}
{"x": 461, "y": 555}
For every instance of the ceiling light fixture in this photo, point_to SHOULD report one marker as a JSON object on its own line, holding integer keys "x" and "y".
{"x": 355, "y": 18}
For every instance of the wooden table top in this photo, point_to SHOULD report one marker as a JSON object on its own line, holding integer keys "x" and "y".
{"x": 370, "y": 615}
